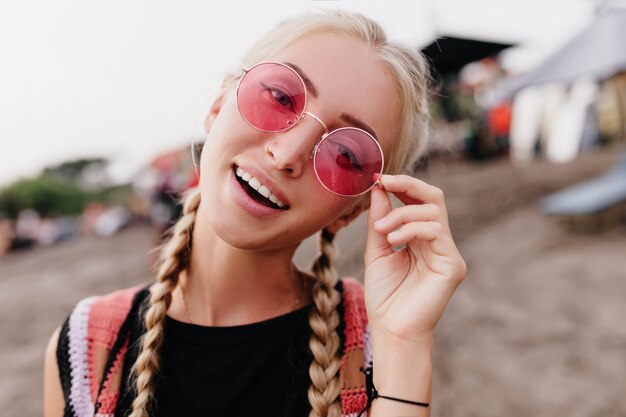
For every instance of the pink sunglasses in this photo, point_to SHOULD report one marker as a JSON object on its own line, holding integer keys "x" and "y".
{"x": 272, "y": 97}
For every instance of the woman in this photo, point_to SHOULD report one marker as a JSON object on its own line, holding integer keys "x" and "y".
{"x": 295, "y": 145}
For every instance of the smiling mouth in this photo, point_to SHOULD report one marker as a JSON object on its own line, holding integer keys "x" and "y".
{"x": 245, "y": 180}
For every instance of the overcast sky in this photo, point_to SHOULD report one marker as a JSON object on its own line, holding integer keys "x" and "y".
{"x": 128, "y": 79}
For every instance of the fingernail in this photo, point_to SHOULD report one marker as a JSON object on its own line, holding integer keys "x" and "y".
{"x": 387, "y": 177}
{"x": 380, "y": 222}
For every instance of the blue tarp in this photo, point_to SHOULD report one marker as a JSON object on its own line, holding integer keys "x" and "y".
{"x": 590, "y": 196}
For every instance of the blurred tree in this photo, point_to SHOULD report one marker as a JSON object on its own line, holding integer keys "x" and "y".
{"x": 85, "y": 172}
{"x": 63, "y": 189}
{"x": 47, "y": 196}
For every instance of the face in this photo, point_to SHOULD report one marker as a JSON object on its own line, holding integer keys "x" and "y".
{"x": 352, "y": 88}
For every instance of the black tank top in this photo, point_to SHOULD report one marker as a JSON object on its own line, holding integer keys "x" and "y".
{"x": 253, "y": 369}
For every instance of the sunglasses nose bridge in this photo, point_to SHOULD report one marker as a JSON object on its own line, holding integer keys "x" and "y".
{"x": 326, "y": 132}
{"x": 306, "y": 113}
{"x": 317, "y": 142}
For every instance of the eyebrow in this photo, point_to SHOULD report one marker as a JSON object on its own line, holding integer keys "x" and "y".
{"x": 348, "y": 118}
{"x": 307, "y": 81}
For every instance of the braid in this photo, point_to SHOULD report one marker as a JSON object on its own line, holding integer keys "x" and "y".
{"x": 173, "y": 260}
{"x": 324, "y": 343}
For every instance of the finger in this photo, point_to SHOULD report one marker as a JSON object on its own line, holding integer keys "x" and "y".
{"x": 377, "y": 244}
{"x": 407, "y": 214}
{"x": 426, "y": 231}
{"x": 411, "y": 190}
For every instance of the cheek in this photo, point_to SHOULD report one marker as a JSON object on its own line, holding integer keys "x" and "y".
{"x": 228, "y": 124}
{"x": 325, "y": 208}
{"x": 228, "y": 136}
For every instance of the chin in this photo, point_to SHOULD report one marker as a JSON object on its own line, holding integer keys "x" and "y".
{"x": 240, "y": 238}
{"x": 223, "y": 222}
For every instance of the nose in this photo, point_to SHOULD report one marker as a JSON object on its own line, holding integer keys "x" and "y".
{"x": 290, "y": 151}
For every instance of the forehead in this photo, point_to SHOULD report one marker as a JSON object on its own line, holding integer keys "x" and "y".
{"x": 349, "y": 78}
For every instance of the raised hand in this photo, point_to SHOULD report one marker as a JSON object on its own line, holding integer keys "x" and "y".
{"x": 407, "y": 290}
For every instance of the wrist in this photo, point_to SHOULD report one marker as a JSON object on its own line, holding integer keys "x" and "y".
{"x": 422, "y": 341}
{"x": 402, "y": 369}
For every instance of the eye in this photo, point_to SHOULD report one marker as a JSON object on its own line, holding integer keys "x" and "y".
{"x": 346, "y": 158}
{"x": 280, "y": 97}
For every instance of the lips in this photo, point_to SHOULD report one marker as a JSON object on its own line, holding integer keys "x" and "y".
{"x": 259, "y": 188}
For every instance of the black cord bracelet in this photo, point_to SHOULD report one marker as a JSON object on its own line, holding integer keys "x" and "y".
{"x": 372, "y": 393}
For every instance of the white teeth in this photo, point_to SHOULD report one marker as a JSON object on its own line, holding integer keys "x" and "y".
{"x": 264, "y": 191}
{"x": 243, "y": 174}
{"x": 254, "y": 183}
{"x": 260, "y": 188}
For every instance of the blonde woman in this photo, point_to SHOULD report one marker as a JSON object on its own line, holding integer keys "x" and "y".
{"x": 317, "y": 127}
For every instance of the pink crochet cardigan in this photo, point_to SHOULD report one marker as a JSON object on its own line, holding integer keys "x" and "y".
{"x": 95, "y": 322}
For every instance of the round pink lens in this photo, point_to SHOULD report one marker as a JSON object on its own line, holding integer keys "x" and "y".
{"x": 346, "y": 161}
{"x": 271, "y": 97}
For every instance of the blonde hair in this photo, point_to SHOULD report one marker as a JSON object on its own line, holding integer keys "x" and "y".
{"x": 409, "y": 70}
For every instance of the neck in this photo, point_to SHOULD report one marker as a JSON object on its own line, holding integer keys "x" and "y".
{"x": 227, "y": 286}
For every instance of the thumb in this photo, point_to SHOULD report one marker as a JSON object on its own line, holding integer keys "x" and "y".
{"x": 377, "y": 244}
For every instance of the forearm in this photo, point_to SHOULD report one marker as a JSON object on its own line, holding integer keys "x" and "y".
{"x": 401, "y": 370}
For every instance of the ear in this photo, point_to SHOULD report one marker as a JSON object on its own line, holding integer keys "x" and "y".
{"x": 347, "y": 218}
{"x": 214, "y": 111}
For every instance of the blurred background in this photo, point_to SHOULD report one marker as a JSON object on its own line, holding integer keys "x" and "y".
{"x": 101, "y": 110}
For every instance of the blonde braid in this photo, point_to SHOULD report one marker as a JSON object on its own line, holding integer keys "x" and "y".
{"x": 174, "y": 259}
{"x": 324, "y": 343}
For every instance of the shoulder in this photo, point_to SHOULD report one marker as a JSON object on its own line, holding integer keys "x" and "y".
{"x": 106, "y": 314}
{"x": 53, "y": 401}
{"x": 98, "y": 318}
{"x": 86, "y": 337}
